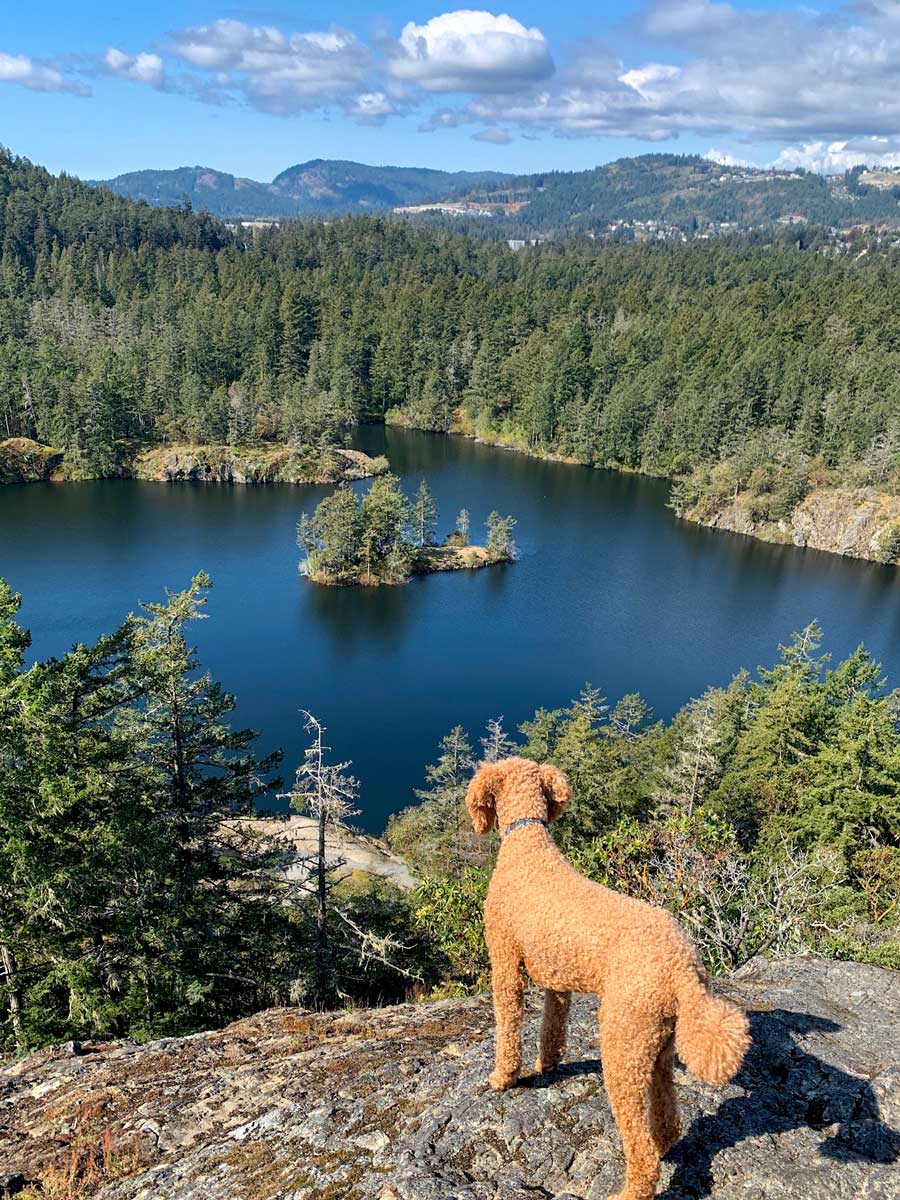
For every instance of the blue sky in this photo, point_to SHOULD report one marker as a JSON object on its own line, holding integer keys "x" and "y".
{"x": 97, "y": 88}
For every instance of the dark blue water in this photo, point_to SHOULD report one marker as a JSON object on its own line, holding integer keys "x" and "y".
{"x": 610, "y": 588}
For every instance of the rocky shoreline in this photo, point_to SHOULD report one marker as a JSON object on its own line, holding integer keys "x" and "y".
{"x": 391, "y": 1104}
{"x": 855, "y": 523}
{"x": 852, "y": 522}
{"x": 25, "y": 461}
{"x": 430, "y": 560}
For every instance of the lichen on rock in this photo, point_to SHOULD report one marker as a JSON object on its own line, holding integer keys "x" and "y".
{"x": 23, "y": 460}
{"x": 263, "y": 464}
{"x": 391, "y": 1104}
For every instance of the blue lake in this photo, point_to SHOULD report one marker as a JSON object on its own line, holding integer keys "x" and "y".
{"x": 610, "y": 588}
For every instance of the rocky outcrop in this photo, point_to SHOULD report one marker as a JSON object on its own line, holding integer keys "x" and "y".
{"x": 861, "y": 523}
{"x": 857, "y": 523}
{"x": 239, "y": 464}
{"x": 391, "y": 1104}
{"x": 23, "y": 460}
{"x": 345, "y": 852}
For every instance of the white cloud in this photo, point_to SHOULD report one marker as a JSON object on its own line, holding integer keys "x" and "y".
{"x": 279, "y": 73}
{"x": 671, "y": 19}
{"x": 371, "y": 108}
{"x": 727, "y": 159}
{"x": 471, "y": 51}
{"x": 822, "y": 83}
{"x": 37, "y": 77}
{"x": 142, "y": 68}
{"x": 647, "y": 80}
{"x": 795, "y": 77}
{"x": 833, "y": 158}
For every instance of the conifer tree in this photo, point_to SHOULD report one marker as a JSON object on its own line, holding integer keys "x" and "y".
{"x": 424, "y": 516}
{"x": 500, "y": 544}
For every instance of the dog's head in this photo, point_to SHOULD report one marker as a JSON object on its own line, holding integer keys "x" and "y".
{"x": 515, "y": 788}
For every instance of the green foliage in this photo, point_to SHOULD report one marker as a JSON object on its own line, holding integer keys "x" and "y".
{"x": 122, "y": 896}
{"x": 382, "y": 537}
{"x": 500, "y": 544}
{"x": 14, "y": 641}
{"x": 331, "y": 537}
{"x": 448, "y": 909}
{"x": 749, "y": 368}
{"x": 424, "y": 516}
{"x": 765, "y": 816}
{"x": 435, "y": 835}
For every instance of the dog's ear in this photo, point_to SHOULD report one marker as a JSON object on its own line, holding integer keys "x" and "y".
{"x": 556, "y": 790}
{"x": 481, "y": 797}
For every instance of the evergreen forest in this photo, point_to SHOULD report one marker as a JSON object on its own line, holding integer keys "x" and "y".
{"x": 137, "y": 899}
{"x": 123, "y": 325}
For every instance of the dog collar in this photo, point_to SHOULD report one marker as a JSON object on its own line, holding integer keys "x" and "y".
{"x": 522, "y": 821}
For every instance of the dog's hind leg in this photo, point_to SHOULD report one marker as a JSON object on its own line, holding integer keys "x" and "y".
{"x": 630, "y": 1042}
{"x": 553, "y": 1030}
{"x": 509, "y": 990}
{"x": 665, "y": 1123}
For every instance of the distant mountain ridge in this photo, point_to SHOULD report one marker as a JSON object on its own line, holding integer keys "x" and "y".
{"x": 316, "y": 188}
{"x": 674, "y": 197}
{"x": 650, "y": 196}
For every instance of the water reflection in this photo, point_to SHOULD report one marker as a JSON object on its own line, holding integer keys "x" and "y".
{"x": 352, "y": 616}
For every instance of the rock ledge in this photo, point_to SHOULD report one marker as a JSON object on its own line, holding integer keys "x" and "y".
{"x": 391, "y": 1104}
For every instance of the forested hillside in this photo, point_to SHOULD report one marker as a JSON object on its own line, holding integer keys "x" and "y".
{"x": 685, "y": 193}
{"x": 319, "y": 187}
{"x": 680, "y": 192}
{"x": 121, "y": 324}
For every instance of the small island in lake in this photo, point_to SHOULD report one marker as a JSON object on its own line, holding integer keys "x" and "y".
{"x": 383, "y": 537}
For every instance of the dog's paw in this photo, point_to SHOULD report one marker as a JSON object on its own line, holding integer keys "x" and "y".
{"x": 545, "y": 1066}
{"x": 500, "y": 1082}
{"x": 666, "y": 1137}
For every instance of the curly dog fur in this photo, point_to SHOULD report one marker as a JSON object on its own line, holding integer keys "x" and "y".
{"x": 572, "y": 935}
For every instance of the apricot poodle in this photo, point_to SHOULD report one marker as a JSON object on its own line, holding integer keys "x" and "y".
{"x": 572, "y": 935}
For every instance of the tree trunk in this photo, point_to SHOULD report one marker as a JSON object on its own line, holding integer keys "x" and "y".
{"x": 8, "y": 962}
{"x": 321, "y": 875}
{"x": 321, "y": 912}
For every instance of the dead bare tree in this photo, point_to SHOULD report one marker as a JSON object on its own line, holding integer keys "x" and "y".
{"x": 326, "y": 792}
{"x": 10, "y": 974}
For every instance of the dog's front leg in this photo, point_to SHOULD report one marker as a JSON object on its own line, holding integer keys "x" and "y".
{"x": 509, "y": 990}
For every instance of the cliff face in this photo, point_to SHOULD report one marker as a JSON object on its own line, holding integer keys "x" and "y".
{"x": 858, "y": 523}
{"x": 25, "y": 461}
{"x": 391, "y": 1104}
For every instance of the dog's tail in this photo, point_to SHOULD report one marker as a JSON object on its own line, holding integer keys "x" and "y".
{"x": 711, "y": 1035}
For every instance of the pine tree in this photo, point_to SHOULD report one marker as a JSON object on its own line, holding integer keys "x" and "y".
{"x": 424, "y": 516}
{"x": 433, "y": 835}
{"x": 332, "y": 536}
{"x": 500, "y": 544}
{"x": 462, "y": 526}
{"x": 198, "y": 774}
{"x": 496, "y": 744}
{"x": 14, "y": 640}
